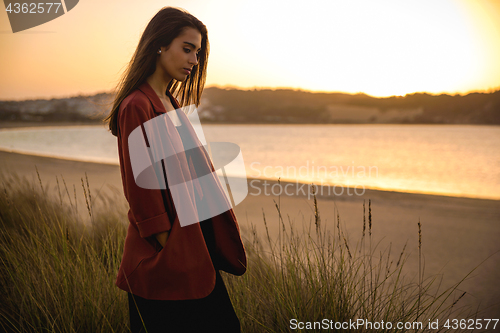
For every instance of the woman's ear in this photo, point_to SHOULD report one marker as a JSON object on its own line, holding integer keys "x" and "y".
{"x": 161, "y": 49}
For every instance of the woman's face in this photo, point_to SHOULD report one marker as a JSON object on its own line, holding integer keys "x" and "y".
{"x": 178, "y": 59}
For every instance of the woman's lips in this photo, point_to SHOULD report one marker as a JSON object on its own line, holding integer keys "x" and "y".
{"x": 187, "y": 71}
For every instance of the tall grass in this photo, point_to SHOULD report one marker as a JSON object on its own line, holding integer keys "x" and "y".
{"x": 315, "y": 274}
{"x": 57, "y": 271}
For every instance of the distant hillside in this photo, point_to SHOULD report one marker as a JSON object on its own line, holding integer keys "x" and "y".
{"x": 289, "y": 106}
{"x": 285, "y": 106}
{"x": 78, "y": 108}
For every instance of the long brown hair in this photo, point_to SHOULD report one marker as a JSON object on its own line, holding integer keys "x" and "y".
{"x": 164, "y": 27}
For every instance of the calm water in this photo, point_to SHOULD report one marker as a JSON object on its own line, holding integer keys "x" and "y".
{"x": 437, "y": 159}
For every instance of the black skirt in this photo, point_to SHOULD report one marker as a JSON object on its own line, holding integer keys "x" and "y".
{"x": 213, "y": 313}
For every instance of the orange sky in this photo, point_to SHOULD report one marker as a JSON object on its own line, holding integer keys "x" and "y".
{"x": 381, "y": 47}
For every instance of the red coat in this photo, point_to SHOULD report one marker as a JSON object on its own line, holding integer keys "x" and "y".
{"x": 183, "y": 268}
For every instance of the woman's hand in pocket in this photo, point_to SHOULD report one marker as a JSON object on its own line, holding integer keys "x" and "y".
{"x": 162, "y": 238}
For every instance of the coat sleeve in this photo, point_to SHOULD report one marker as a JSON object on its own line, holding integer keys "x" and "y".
{"x": 146, "y": 205}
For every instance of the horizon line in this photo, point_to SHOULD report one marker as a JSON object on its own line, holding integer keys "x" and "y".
{"x": 257, "y": 88}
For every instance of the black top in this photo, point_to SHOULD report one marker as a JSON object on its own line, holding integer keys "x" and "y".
{"x": 206, "y": 225}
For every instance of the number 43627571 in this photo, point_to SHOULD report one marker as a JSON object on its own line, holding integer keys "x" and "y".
{"x": 32, "y": 8}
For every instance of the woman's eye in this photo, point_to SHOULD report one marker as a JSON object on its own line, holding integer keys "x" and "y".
{"x": 187, "y": 50}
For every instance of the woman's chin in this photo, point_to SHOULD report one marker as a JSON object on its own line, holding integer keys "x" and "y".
{"x": 182, "y": 77}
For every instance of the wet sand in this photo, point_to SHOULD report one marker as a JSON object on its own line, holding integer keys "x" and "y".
{"x": 458, "y": 234}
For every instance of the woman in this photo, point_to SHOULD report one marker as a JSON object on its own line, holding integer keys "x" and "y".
{"x": 171, "y": 272}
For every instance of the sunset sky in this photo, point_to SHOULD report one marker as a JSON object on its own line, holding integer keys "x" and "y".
{"x": 378, "y": 47}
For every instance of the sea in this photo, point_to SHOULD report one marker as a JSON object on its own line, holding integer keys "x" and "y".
{"x": 451, "y": 160}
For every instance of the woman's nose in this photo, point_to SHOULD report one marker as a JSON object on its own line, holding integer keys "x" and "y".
{"x": 194, "y": 58}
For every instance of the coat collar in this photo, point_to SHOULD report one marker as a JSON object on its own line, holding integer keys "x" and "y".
{"x": 155, "y": 100}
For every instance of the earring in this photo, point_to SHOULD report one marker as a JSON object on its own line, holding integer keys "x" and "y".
{"x": 159, "y": 51}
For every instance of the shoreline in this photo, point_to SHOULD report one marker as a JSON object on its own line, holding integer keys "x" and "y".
{"x": 272, "y": 182}
{"x": 18, "y": 124}
{"x": 265, "y": 187}
{"x": 24, "y": 124}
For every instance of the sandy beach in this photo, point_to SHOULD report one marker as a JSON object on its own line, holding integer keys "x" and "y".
{"x": 458, "y": 234}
